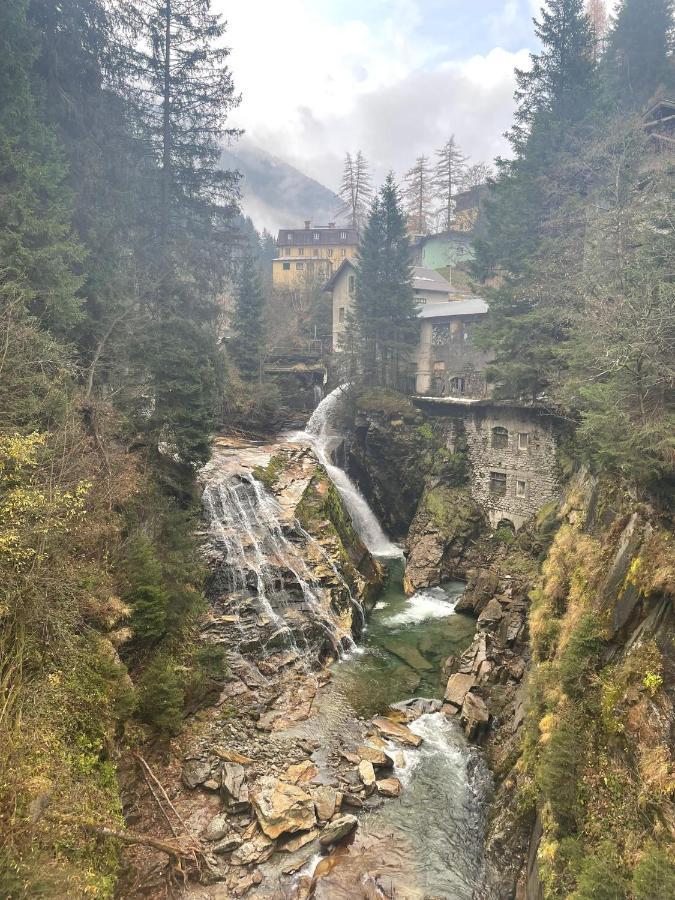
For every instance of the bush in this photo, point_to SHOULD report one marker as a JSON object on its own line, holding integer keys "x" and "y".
{"x": 601, "y": 878}
{"x": 208, "y": 671}
{"x": 580, "y": 655}
{"x": 557, "y": 772}
{"x": 654, "y": 876}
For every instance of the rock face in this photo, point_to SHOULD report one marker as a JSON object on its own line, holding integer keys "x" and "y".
{"x": 445, "y": 528}
{"x": 282, "y": 808}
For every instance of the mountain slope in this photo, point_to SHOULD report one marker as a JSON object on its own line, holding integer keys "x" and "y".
{"x": 276, "y": 194}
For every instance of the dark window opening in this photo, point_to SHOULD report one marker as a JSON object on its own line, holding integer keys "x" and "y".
{"x": 500, "y": 438}
{"x": 287, "y": 266}
{"x": 457, "y": 385}
{"x": 498, "y": 484}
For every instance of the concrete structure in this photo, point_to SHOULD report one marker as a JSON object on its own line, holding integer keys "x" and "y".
{"x": 448, "y": 362}
{"x": 311, "y": 254}
{"x": 430, "y": 290}
{"x": 512, "y": 450}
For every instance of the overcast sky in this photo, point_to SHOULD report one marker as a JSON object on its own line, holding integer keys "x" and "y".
{"x": 391, "y": 77}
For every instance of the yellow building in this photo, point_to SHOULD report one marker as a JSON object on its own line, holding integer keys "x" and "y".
{"x": 311, "y": 255}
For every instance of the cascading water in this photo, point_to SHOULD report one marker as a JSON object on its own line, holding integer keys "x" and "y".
{"x": 322, "y": 437}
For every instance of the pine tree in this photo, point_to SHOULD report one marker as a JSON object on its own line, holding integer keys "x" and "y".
{"x": 384, "y": 307}
{"x": 249, "y": 336}
{"x": 449, "y": 173}
{"x": 639, "y": 50}
{"x": 356, "y": 190}
{"x": 535, "y": 219}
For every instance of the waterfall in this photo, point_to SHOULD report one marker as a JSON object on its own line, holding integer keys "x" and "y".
{"x": 321, "y": 435}
{"x": 261, "y": 574}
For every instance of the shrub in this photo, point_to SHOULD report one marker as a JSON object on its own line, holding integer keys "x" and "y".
{"x": 161, "y": 697}
{"x": 601, "y": 878}
{"x": 580, "y": 655}
{"x": 654, "y": 876}
{"x": 557, "y": 772}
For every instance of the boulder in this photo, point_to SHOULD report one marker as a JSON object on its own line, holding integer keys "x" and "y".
{"x": 389, "y": 787}
{"x": 457, "y": 688}
{"x": 352, "y": 800}
{"x": 326, "y": 800}
{"x": 491, "y": 615}
{"x": 376, "y": 757}
{"x": 217, "y": 828}
{"x": 282, "y": 808}
{"x": 195, "y": 772}
{"x": 305, "y": 837}
{"x": 337, "y": 829}
{"x": 258, "y": 849}
{"x": 301, "y": 772}
{"x": 366, "y": 772}
{"x": 233, "y": 787}
{"x": 230, "y": 842}
{"x": 474, "y": 716}
{"x": 397, "y": 731}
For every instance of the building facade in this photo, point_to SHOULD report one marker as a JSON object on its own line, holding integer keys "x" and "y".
{"x": 311, "y": 254}
{"x": 444, "y": 251}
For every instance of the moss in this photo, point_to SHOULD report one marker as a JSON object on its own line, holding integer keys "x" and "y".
{"x": 387, "y": 403}
{"x": 269, "y": 474}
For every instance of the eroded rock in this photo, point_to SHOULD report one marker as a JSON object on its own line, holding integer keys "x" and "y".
{"x": 282, "y": 808}
{"x": 397, "y": 731}
{"x": 337, "y": 829}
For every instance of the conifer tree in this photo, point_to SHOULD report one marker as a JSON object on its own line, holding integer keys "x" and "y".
{"x": 418, "y": 196}
{"x": 249, "y": 336}
{"x": 356, "y": 190}
{"x": 384, "y": 306}
{"x": 449, "y": 173}
{"x": 639, "y": 50}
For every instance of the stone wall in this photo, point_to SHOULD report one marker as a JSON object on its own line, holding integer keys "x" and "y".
{"x": 514, "y": 470}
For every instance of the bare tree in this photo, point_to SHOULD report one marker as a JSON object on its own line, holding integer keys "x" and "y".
{"x": 474, "y": 175}
{"x": 418, "y": 196}
{"x": 356, "y": 190}
{"x": 448, "y": 173}
{"x": 597, "y": 14}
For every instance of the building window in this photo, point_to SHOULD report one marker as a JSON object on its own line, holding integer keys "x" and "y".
{"x": 287, "y": 266}
{"x": 352, "y": 285}
{"x": 289, "y": 238}
{"x": 498, "y": 484}
{"x": 457, "y": 385}
{"x": 329, "y": 252}
{"x": 317, "y": 236}
{"x": 523, "y": 440}
{"x": 315, "y": 252}
{"x": 420, "y": 301}
{"x": 341, "y": 314}
{"x": 301, "y": 251}
{"x": 521, "y": 488}
{"x": 343, "y": 235}
{"x": 299, "y": 265}
{"x": 500, "y": 438}
{"x": 343, "y": 252}
{"x": 287, "y": 251}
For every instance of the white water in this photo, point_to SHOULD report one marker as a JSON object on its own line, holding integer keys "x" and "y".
{"x": 322, "y": 437}
{"x": 432, "y": 603}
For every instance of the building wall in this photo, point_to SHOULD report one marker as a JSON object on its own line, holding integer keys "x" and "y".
{"x": 447, "y": 351}
{"x": 343, "y": 299}
{"x": 301, "y": 259}
{"x": 294, "y": 272}
{"x": 439, "y": 252}
{"x": 534, "y": 465}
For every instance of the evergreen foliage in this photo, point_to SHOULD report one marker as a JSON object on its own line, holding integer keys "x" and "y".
{"x": 638, "y": 59}
{"x": 249, "y": 336}
{"x": 384, "y": 307}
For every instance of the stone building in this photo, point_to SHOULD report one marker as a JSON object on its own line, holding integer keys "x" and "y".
{"x": 512, "y": 450}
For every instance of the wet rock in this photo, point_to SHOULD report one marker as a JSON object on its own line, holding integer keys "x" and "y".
{"x": 366, "y": 772}
{"x": 196, "y": 772}
{"x": 474, "y": 716}
{"x": 230, "y": 842}
{"x": 457, "y": 688}
{"x": 282, "y": 808}
{"x": 233, "y": 787}
{"x": 337, "y": 829}
{"x": 302, "y": 889}
{"x": 491, "y": 615}
{"x": 326, "y": 801}
{"x": 397, "y": 731}
{"x": 353, "y": 758}
{"x": 297, "y": 864}
{"x": 217, "y": 828}
{"x": 376, "y": 757}
{"x": 349, "y": 799}
{"x": 240, "y": 883}
{"x": 300, "y": 841}
{"x": 416, "y": 707}
{"x": 389, "y": 787}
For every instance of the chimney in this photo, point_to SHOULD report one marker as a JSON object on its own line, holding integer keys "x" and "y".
{"x": 307, "y": 224}
{"x": 331, "y": 224}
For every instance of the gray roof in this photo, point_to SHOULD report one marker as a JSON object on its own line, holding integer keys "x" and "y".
{"x": 429, "y": 280}
{"x": 473, "y": 306}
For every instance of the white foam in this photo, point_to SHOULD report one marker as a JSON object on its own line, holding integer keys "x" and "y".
{"x": 431, "y": 604}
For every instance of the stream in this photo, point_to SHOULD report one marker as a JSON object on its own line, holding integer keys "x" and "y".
{"x": 428, "y": 842}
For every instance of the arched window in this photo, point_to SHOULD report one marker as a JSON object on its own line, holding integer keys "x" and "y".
{"x": 457, "y": 385}
{"x": 500, "y": 438}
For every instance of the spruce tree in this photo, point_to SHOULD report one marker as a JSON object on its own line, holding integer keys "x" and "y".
{"x": 249, "y": 336}
{"x": 639, "y": 51}
{"x": 384, "y": 306}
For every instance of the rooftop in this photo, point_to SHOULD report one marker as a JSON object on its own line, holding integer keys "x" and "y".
{"x": 425, "y": 279}
{"x": 318, "y": 234}
{"x": 471, "y": 306}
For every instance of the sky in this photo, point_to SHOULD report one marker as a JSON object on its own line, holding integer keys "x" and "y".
{"x": 394, "y": 78}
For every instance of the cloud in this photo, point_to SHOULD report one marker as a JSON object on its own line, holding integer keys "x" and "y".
{"x": 318, "y": 80}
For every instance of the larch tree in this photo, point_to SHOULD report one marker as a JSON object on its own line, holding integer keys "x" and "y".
{"x": 418, "y": 196}
{"x": 356, "y": 190}
{"x": 384, "y": 309}
{"x": 449, "y": 172}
